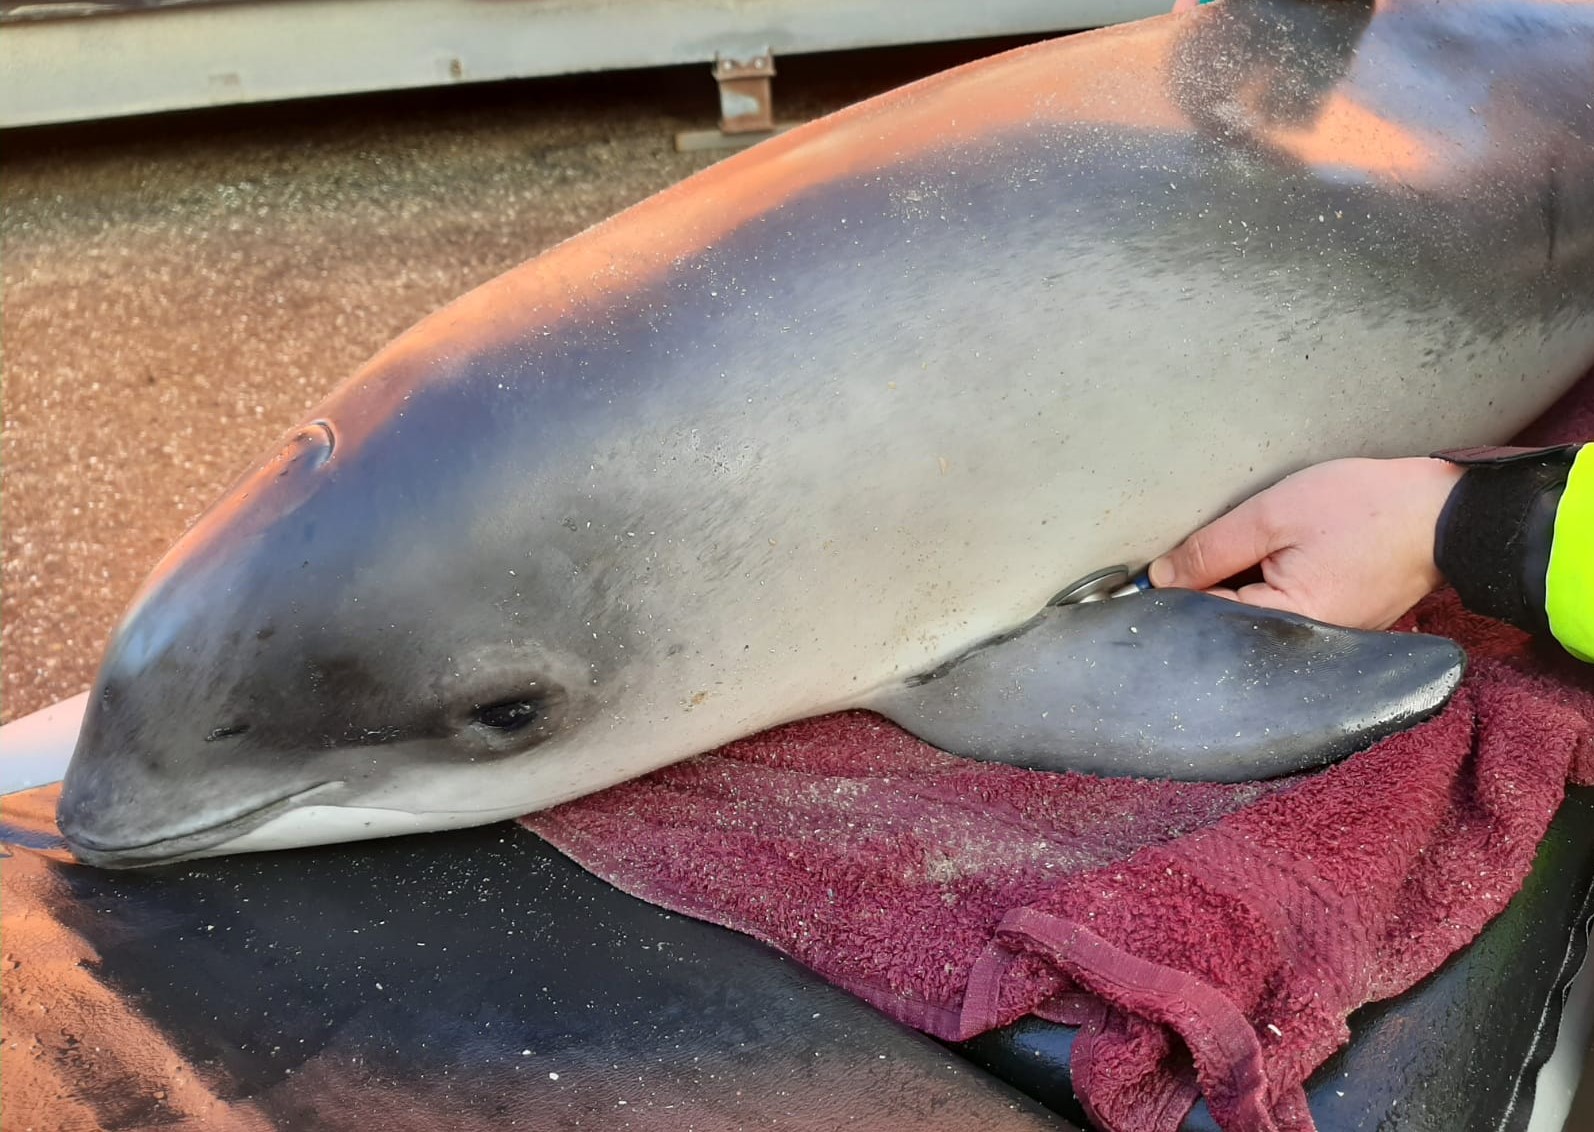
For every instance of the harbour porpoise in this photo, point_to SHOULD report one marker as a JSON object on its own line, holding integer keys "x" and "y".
{"x": 829, "y": 424}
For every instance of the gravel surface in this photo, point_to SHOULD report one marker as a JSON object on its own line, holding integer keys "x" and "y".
{"x": 178, "y": 290}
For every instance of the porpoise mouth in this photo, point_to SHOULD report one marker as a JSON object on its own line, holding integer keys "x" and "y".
{"x": 169, "y": 850}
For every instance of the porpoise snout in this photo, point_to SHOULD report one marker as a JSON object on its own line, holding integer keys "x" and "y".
{"x": 107, "y": 816}
{"x": 122, "y": 806}
{"x": 110, "y": 827}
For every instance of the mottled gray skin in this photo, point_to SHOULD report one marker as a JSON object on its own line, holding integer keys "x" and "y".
{"x": 839, "y": 409}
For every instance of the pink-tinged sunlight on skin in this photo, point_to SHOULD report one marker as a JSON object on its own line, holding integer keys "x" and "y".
{"x": 1075, "y": 80}
{"x": 1348, "y": 135}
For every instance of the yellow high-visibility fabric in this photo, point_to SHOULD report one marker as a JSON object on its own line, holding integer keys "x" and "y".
{"x": 1569, "y": 584}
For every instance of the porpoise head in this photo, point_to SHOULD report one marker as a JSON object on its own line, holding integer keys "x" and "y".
{"x": 416, "y": 615}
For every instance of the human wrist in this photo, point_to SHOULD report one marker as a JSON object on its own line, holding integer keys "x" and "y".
{"x": 1493, "y": 537}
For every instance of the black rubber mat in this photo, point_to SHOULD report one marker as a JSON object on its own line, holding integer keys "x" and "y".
{"x": 466, "y": 980}
{"x": 479, "y": 980}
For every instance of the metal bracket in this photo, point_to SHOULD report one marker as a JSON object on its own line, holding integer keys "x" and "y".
{"x": 747, "y": 103}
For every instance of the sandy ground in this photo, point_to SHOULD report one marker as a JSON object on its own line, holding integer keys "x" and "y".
{"x": 177, "y": 291}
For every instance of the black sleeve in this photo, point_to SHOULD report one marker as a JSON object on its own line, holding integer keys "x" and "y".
{"x": 1493, "y": 539}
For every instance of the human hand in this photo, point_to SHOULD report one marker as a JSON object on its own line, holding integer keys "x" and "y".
{"x": 1349, "y": 542}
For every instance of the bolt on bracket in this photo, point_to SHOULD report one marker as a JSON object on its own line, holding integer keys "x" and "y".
{"x": 747, "y": 102}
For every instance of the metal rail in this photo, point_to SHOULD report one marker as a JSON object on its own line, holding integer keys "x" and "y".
{"x": 72, "y": 60}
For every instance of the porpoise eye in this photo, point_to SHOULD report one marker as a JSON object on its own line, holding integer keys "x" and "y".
{"x": 508, "y": 715}
{"x": 509, "y": 718}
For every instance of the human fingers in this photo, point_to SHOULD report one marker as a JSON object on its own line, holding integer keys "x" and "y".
{"x": 1227, "y": 546}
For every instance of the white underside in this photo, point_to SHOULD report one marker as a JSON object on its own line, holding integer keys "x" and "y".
{"x": 312, "y": 825}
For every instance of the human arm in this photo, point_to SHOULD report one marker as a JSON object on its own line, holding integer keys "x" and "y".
{"x": 1358, "y": 542}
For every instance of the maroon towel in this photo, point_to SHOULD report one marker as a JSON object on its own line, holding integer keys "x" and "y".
{"x": 1208, "y": 939}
